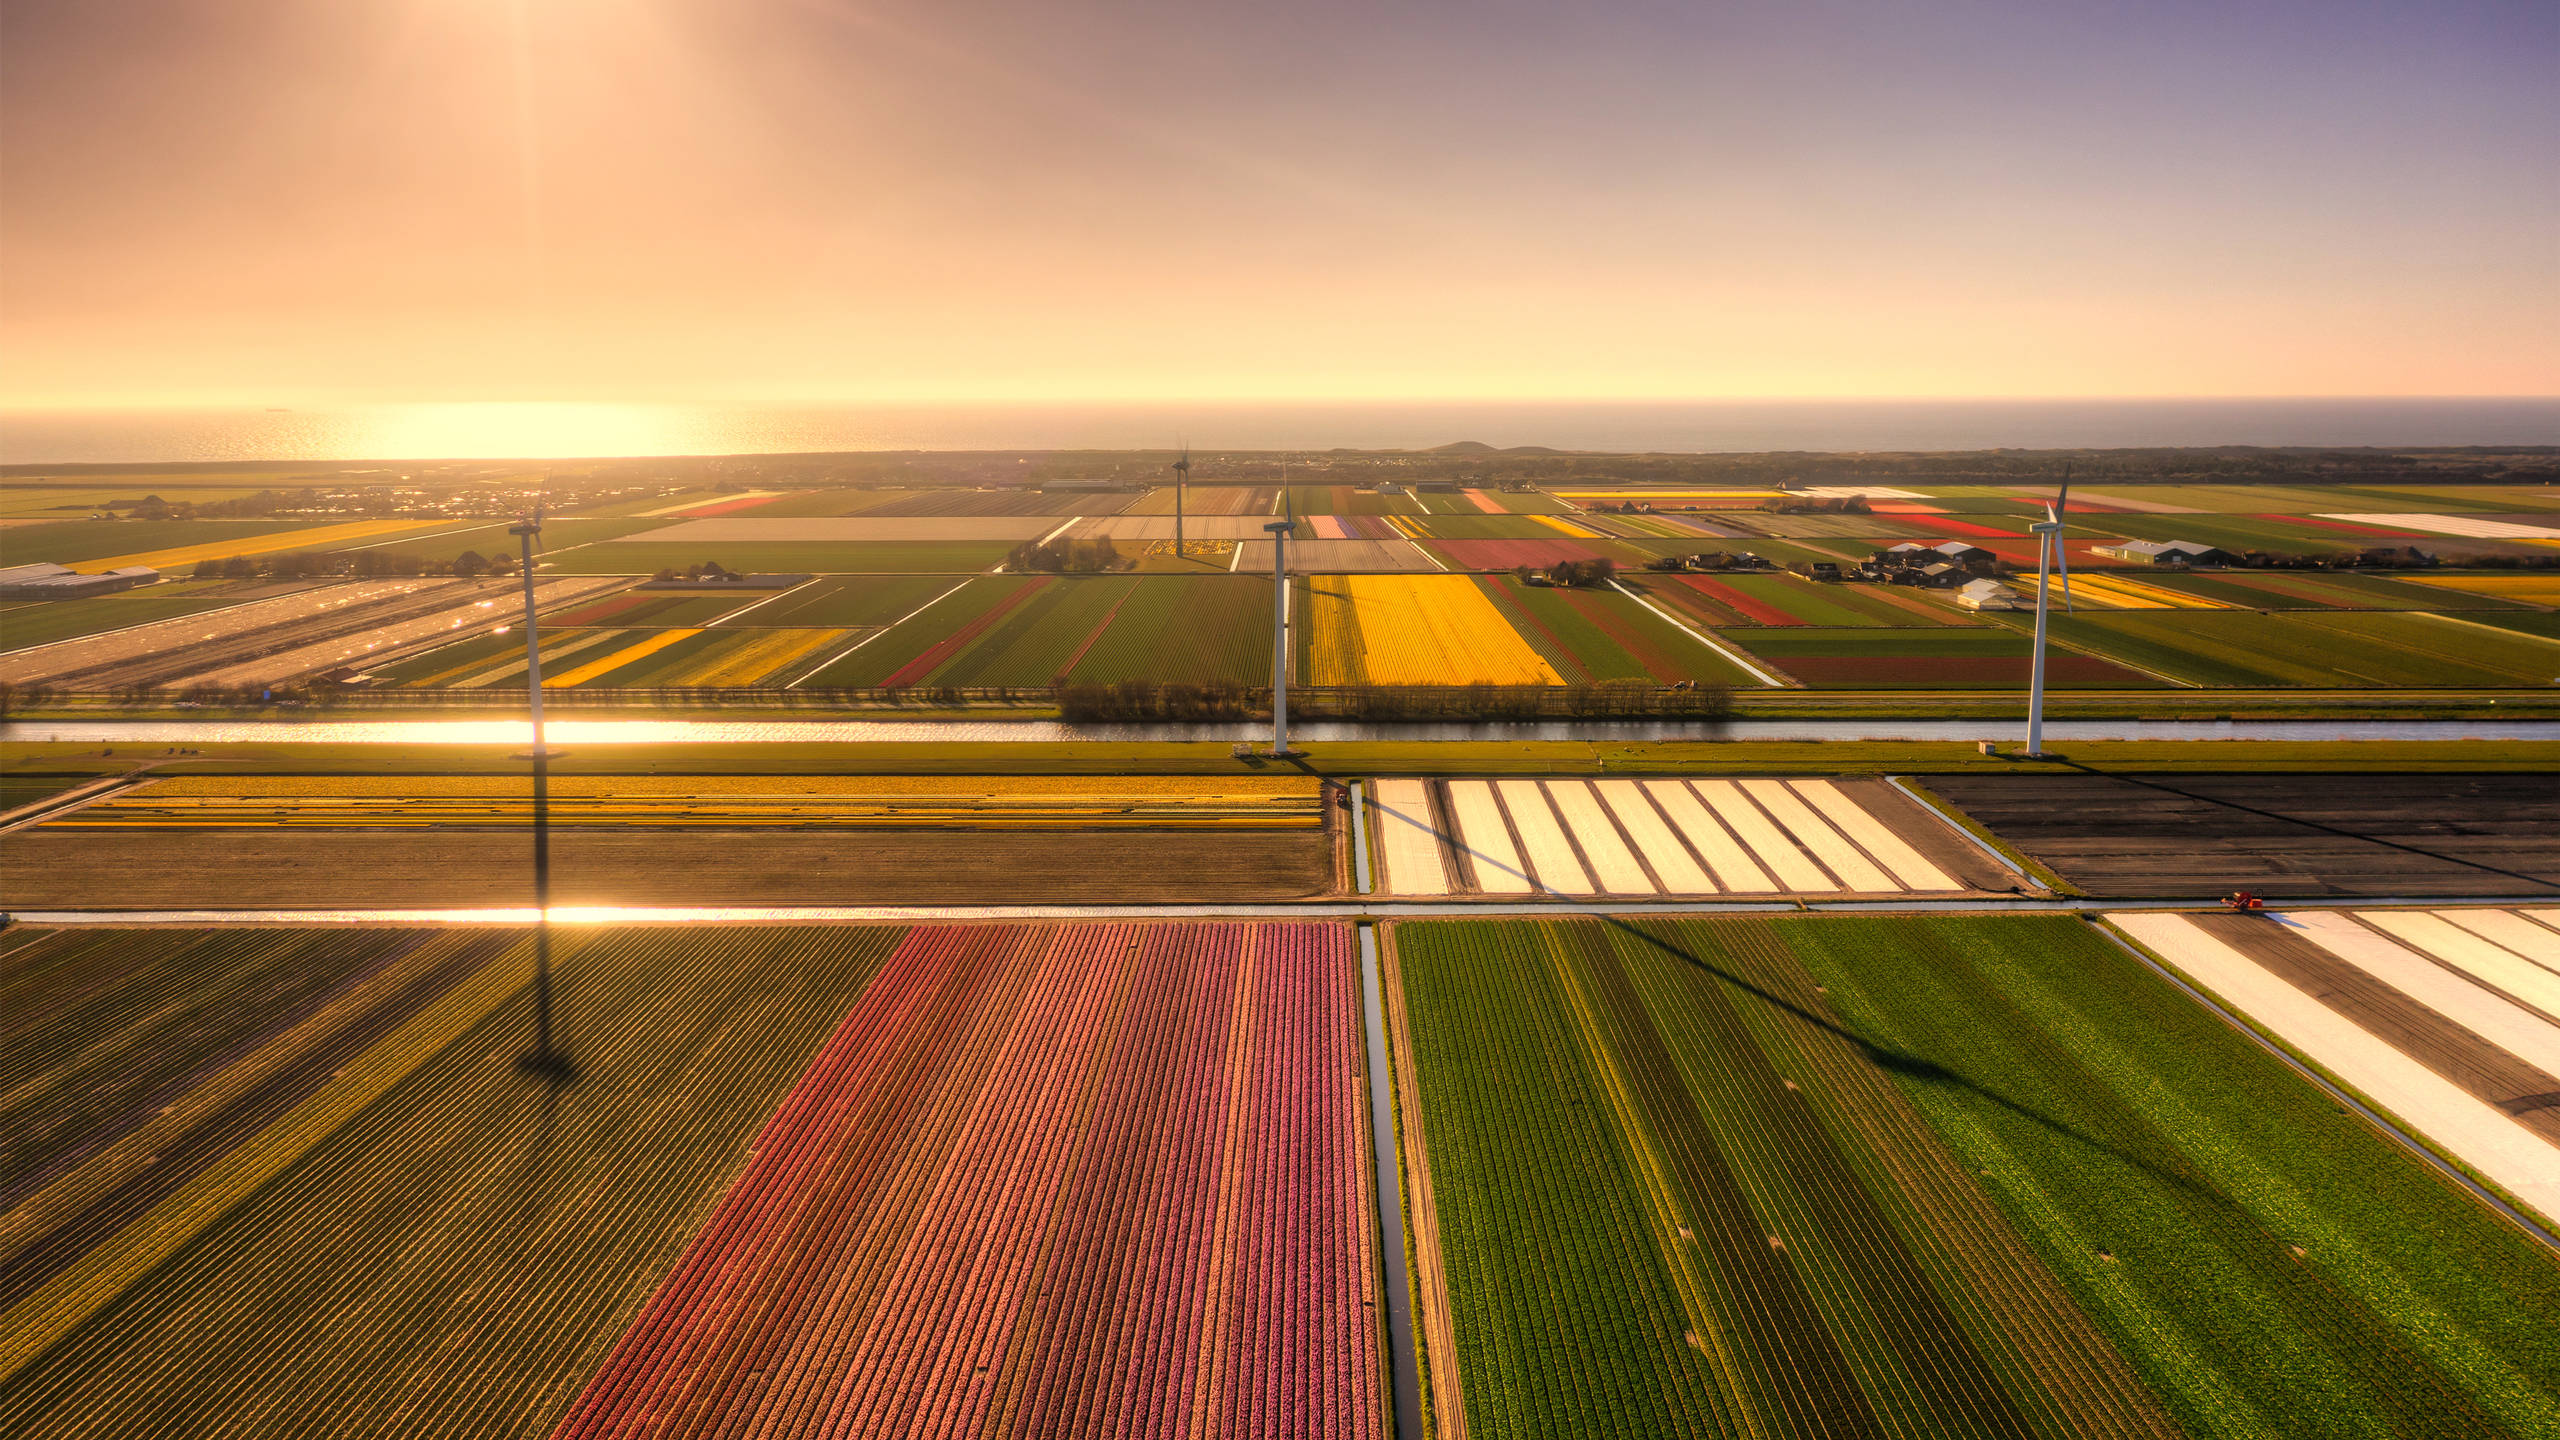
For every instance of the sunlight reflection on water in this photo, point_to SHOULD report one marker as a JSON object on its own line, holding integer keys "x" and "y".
{"x": 570, "y": 733}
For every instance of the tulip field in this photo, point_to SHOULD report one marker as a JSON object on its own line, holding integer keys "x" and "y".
{"x": 1918, "y": 1176}
{"x": 1097, "y": 1181}
{"x": 866, "y": 1180}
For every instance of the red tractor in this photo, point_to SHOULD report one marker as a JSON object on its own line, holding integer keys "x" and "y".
{"x": 2244, "y": 900}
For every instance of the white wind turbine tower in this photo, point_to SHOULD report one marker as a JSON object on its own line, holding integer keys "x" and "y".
{"x": 1181, "y": 481}
{"x": 2050, "y": 556}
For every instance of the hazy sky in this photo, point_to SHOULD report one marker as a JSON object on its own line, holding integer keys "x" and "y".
{"x": 304, "y": 201}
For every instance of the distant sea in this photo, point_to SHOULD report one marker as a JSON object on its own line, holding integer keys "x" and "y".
{"x": 532, "y": 431}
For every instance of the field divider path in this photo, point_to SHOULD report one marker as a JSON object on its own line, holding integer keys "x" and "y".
{"x": 1739, "y": 661}
{"x": 1388, "y": 1192}
{"x": 61, "y": 803}
{"x": 805, "y": 675}
{"x": 734, "y": 616}
{"x": 1435, "y": 1329}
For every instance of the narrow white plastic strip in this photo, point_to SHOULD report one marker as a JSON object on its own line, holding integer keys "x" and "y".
{"x": 2500, "y": 969}
{"x": 1611, "y": 860}
{"x": 2534, "y": 942}
{"x": 1549, "y": 856}
{"x": 1662, "y": 850}
{"x": 1895, "y": 853}
{"x": 1832, "y": 848}
{"x": 1734, "y": 867}
{"x": 1792, "y": 867}
{"x": 1408, "y": 843}
{"x": 2523, "y": 1163}
{"x": 1487, "y": 840}
{"x": 2482, "y": 1011}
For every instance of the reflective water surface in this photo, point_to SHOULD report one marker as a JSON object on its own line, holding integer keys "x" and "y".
{"x": 568, "y": 733}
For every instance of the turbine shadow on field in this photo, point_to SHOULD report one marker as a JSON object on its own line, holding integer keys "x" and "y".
{"x": 2245, "y": 808}
{"x": 1918, "y": 1068}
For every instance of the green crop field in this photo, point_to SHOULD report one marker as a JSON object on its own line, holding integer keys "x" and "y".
{"x": 2545, "y": 623}
{"x": 1472, "y": 524}
{"x": 943, "y": 626}
{"x": 853, "y": 600}
{"x": 837, "y": 557}
{"x": 1039, "y": 639}
{"x": 2269, "y": 1263}
{"x": 1943, "y": 1175}
{"x": 76, "y": 542}
{"x": 2301, "y": 590}
{"x": 1186, "y": 630}
{"x": 352, "y": 1212}
{"x": 2340, "y": 648}
{"x": 1673, "y": 1198}
{"x": 1943, "y": 657}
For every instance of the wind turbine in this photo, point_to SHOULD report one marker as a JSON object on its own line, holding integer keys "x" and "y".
{"x": 544, "y": 1061}
{"x": 2050, "y": 556}
{"x": 1181, "y": 478}
{"x": 1279, "y": 531}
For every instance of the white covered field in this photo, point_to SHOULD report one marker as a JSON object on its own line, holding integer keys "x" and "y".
{"x": 2440, "y": 960}
{"x": 1645, "y": 838}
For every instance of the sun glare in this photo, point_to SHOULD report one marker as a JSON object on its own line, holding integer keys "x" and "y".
{"x": 526, "y": 430}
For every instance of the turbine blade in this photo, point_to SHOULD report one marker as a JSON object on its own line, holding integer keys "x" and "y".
{"x": 2062, "y": 497}
{"x": 2062, "y": 562}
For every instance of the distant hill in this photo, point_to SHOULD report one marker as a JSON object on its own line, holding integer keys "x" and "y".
{"x": 1478, "y": 447}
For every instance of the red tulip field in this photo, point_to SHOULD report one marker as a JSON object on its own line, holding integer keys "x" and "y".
{"x": 1100, "y": 1180}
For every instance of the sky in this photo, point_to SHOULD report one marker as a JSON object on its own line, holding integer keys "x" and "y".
{"x": 294, "y": 202}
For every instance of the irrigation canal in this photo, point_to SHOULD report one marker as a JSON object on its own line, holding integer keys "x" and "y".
{"x": 572, "y": 732}
{"x": 1354, "y": 910}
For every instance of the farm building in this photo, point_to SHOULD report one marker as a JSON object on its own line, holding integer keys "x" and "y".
{"x": 1990, "y": 595}
{"x": 2166, "y": 552}
{"x": 60, "y": 582}
{"x": 1912, "y": 554}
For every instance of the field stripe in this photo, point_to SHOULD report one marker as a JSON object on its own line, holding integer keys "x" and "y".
{"x": 1487, "y": 840}
{"x": 1670, "y": 860}
{"x": 619, "y": 658}
{"x": 2491, "y": 966}
{"x": 2472, "y": 1131}
{"x": 1409, "y": 844}
{"x": 316, "y": 538}
{"x": 1829, "y": 846}
{"x": 770, "y": 651}
{"x": 1611, "y": 861}
{"x": 1908, "y": 865}
{"x": 1734, "y": 868}
{"x": 1549, "y": 856}
{"x": 1767, "y": 842}
{"x": 79, "y": 1291}
{"x": 2482, "y": 1011}
{"x": 2513, "y": 931}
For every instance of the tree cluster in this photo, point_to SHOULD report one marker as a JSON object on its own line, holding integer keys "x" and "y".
{"x": 350, "y": 564}
{"x": 1064, "y": 557}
